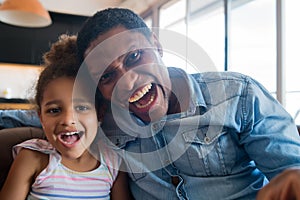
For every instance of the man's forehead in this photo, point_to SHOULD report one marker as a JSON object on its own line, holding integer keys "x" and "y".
{"x": 109, "y": 47}
{"x": 116, "y": 45}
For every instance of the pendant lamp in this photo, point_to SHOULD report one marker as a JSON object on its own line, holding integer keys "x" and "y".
{"x": 24, "y": 13}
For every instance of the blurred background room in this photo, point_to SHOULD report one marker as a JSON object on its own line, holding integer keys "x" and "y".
{"x": 259, "y": 38}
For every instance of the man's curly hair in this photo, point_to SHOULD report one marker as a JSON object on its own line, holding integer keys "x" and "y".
{"x": 104, "y": 21}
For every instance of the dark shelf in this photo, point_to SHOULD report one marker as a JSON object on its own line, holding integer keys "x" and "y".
{"x": 27, "y": 45}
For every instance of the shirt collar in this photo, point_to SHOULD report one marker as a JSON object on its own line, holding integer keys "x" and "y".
{"x": 197, "y": 99}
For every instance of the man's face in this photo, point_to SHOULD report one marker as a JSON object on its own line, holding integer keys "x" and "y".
{"x": 129, "y": 72}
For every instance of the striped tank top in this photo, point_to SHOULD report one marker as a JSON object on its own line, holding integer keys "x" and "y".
{"x": 58, "y": 182}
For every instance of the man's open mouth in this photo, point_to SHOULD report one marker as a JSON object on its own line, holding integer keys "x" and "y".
{"x": 143, "y": 97}
{"x": 70, "y": 138}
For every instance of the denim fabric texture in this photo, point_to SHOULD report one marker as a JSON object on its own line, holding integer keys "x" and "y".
{"x": 19, "y": 118}
{"x": 233, "y": 139}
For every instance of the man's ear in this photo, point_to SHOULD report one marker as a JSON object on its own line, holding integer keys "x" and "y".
{"x": 157, "y": 44}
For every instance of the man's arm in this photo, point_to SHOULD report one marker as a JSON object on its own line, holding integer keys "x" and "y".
{"x": 284, "y": 186}
{"x": 120, "y": 189}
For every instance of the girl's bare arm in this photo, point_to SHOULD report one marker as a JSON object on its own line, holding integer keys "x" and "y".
{"x": 23, "y": 171}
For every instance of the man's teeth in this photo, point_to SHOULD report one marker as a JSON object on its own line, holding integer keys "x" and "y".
{"x": 139, "y": 94}
{"x": 145, "y": 105}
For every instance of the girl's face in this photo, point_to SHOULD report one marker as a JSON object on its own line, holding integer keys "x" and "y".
{"x": 68, "y": 118}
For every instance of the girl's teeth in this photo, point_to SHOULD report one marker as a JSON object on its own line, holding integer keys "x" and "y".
{"x": 138, "y": 95}
{"x": 70, "y": 133}
{"x": 71, "y": 137}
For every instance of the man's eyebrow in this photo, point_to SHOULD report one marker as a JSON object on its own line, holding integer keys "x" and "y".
{"x": 131, "y": 48}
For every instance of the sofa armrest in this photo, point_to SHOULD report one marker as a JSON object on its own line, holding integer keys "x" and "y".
{"x": 10, "y": 137}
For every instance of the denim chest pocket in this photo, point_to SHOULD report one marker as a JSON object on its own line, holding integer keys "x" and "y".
{"x": 139, "y": 154}
{"x": 127, "y": 147}
{"x": 210, "y": 151}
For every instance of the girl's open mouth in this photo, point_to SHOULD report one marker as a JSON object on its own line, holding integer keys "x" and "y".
{"x": 70, "y": 138}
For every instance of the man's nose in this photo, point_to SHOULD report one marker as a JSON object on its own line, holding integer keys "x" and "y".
{"x": 127, "y": 79}
{"x": 126, "y": 76}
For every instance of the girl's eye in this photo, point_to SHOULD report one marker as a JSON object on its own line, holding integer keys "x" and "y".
{"x": 53, "y": 110}
{"x": 133, "y": 57}
{"x": 82, "y": 108}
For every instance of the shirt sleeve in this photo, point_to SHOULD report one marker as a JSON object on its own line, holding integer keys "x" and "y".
{"x": 34, "y": 144}
{"x": 111, "y": 159}
{"x": 269, "y": 133}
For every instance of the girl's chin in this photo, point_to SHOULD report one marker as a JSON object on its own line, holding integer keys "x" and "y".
{"x": 72, "y": 155}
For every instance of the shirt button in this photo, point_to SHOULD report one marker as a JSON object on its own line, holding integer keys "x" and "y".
{"x": 180, "y": 193}
{"x": 155, "y": 127}
{"x": 161, "y": 123}
{"x": 206, "y": 139}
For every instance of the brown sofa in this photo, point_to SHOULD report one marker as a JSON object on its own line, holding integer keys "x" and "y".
{"x": 10, "y": 137}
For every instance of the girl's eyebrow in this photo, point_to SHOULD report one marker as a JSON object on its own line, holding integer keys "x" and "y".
{"x": 83, "y": 100}
{"x": 75, "y": 100}
{"x": 52, "y": 102}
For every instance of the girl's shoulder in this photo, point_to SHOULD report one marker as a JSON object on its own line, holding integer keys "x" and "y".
{"x": 109, "y": 158}
{"x": 36, "y": 145}
{"x": 36, "y": 151}
{"x": 33, "y": 161}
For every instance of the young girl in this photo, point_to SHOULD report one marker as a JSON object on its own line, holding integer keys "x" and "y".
{"x": 63, "y": 166}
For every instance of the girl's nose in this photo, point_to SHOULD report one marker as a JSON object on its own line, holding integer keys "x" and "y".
{"x": 68, "y": 118}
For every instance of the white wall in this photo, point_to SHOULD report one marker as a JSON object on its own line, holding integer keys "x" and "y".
{"x": 20, "y": 79}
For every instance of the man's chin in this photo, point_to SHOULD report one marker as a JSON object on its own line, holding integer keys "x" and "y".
{"x": 153, "y": 115}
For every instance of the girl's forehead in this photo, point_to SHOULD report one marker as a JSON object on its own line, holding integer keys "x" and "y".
{"x": 67, "y": 89}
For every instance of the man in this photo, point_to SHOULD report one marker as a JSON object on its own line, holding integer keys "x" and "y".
{"x": 203, "y": 136}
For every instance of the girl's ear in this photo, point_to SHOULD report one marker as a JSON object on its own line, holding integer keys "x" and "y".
{"x": 40, "y": 116}
{"x": 157, "y": 44}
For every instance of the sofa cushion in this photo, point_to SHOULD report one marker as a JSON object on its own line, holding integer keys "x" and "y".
{"x": 10, "y": 137}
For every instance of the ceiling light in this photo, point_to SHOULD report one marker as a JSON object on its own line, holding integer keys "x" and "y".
{"x": 25, "y": 13}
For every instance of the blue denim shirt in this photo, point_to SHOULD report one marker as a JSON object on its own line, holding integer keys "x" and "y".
{"x": 233, "y": 138}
